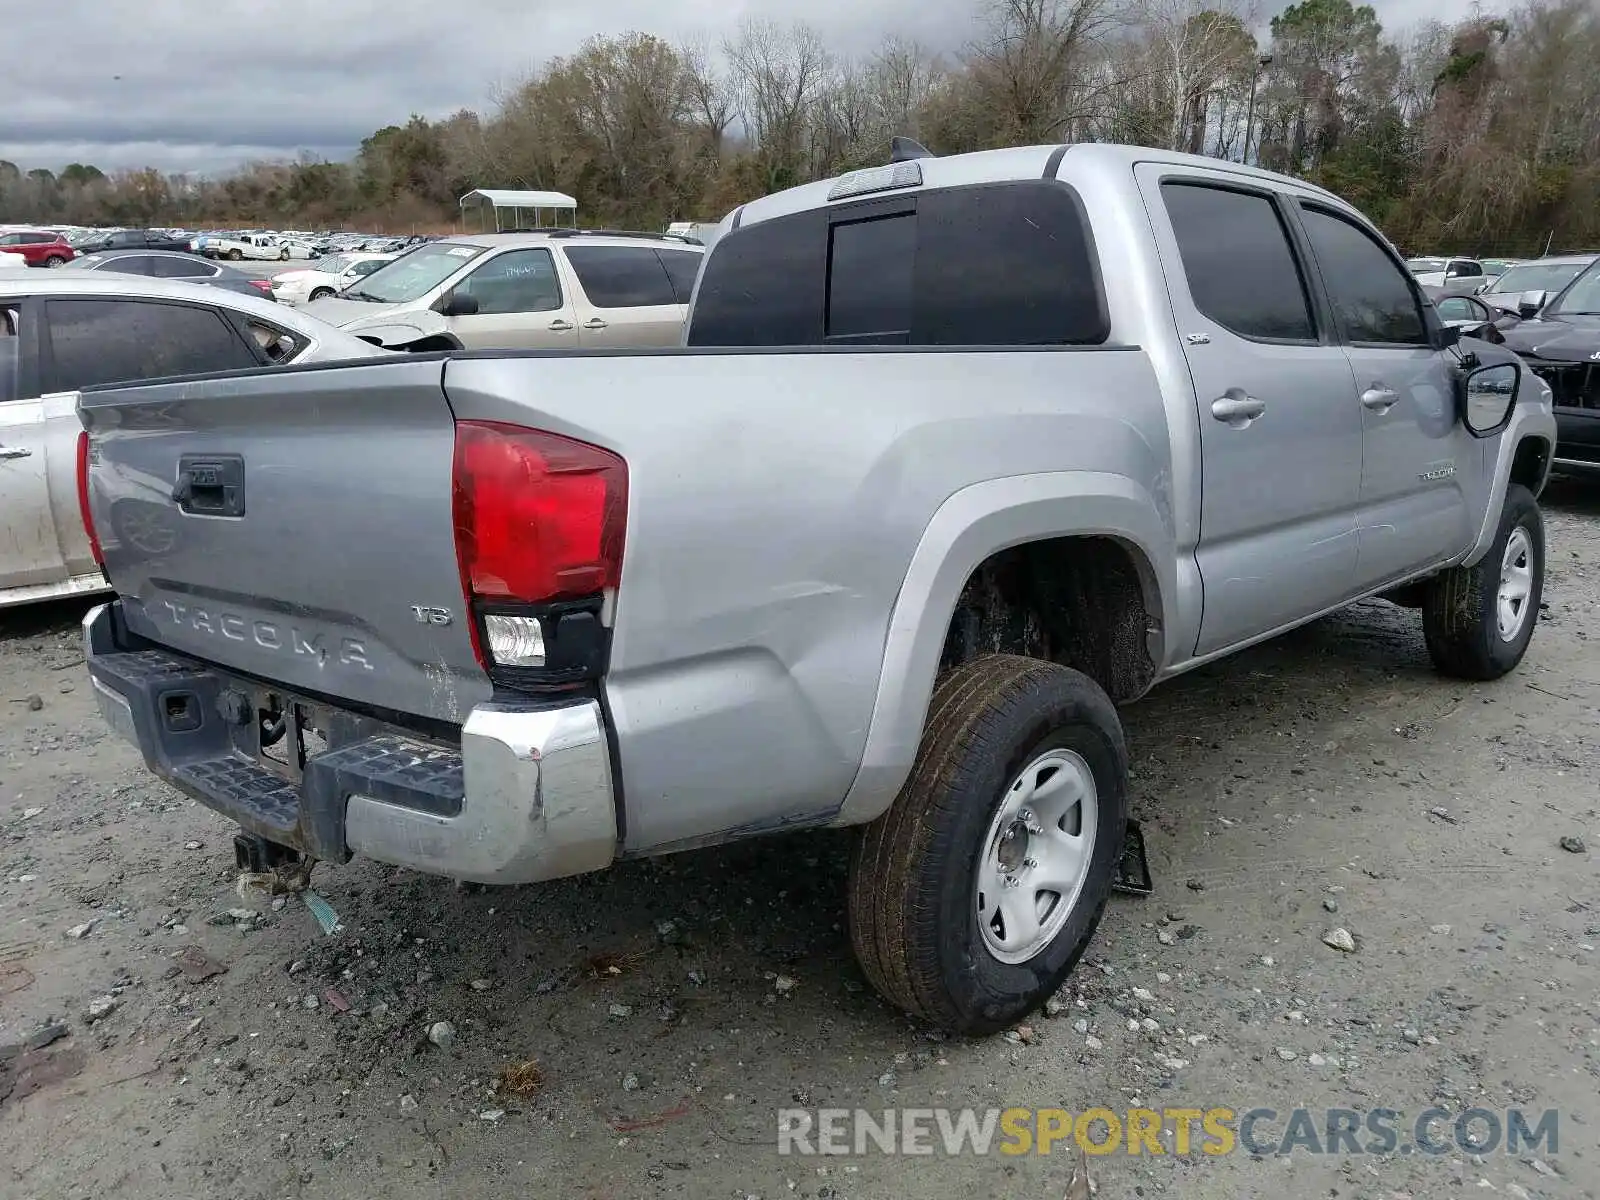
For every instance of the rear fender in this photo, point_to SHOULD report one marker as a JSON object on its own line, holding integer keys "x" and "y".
{"x": 971, "y": 525}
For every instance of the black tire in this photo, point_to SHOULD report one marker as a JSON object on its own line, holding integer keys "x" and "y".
{"x": 55, "y": 260}
{"x": 235, "y": 255}
{"x": 321, "y": 293}
{"x": 914, "y": 874}
{"x": 1460, "y": 613}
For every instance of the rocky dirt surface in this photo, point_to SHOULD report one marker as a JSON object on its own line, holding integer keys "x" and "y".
{"x": 215, "y": 1045}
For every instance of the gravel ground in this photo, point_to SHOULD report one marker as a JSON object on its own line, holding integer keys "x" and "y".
{"x": 1328, "y": 780}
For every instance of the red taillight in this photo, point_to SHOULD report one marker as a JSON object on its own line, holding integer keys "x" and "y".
{"x": 538, "y": 517}
{"x": 83, "y": 500}
{"x": 262, "y": 285}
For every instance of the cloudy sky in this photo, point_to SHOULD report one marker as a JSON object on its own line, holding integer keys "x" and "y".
{"x": 203, "y": 85}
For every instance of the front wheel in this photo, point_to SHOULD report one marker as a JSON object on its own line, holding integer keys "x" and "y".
{"x": 284, "y": 255}
{"x": 1478, "y": 620}
{"x": 974, "y": 895}
{"x": 321, "y": 293}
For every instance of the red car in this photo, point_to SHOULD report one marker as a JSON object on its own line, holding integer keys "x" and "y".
{"x": 39, "y": 248}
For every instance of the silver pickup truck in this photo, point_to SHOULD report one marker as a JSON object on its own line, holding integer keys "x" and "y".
{"x": 960, "y": 454}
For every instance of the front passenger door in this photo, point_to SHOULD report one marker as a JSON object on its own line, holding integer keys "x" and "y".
{"x": 520, "y": 305}
{"x": 1280, "y": 439}
{"x": 1419, "y": 463}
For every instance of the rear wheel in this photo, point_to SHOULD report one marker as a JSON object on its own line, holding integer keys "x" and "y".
{"x": 1478, "y": 620}
{"x": 283, "y": 256}
{"x": 55, "y": 260}
{"x": 235, "y": 255}
{"x": 974, "y": 895}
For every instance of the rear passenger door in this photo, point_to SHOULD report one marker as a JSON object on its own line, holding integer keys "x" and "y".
{"x": 1419, "y": 463}
{"x": 626, "y": 297}
{"x": 1280, "y": 432}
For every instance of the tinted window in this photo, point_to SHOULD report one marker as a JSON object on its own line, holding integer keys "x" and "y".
{"x": 38, "y": 239}
{"x": 1371, "y": 295}
{"x": 1237, "y": 260}
{"x": 10, "y": 354}
{"x": 1008, "y": 264}
{"x": 118, "y": 341}
{"x": 179, "y": 268}
{"x": 683, "y": 266}
{"x": 621, "y": 276}
{"x": 999, "y": 264}
{"x": 870, "y": 266}
{"x": 10, "y": 239}
{"x": 517, "y": 281}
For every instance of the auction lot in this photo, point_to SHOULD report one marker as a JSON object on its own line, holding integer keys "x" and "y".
{"x": 1327, "y": 780}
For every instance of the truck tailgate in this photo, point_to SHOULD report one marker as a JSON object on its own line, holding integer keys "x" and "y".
{"x": 292, "y": 525}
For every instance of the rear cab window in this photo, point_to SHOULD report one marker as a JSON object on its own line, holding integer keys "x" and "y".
{"x": 1001, "y": 264}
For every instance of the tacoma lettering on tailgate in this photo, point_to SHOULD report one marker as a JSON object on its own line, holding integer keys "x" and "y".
{"x": 267, "y": 635}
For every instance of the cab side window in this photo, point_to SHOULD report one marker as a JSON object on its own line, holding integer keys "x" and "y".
{"x": 1238, "y": 261}
{"x": 1372, "y": 295}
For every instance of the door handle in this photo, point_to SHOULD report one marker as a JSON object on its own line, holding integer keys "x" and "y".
{"x": 594, "y": 323}
{"x": 561, "y": 325}
{"x": 1379, "y": 398}
{"x": 15, "y": 452}
{"x": 1237, "y": 410}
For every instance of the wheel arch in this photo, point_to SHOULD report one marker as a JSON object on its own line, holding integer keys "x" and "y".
{"x": 976, "y": 526}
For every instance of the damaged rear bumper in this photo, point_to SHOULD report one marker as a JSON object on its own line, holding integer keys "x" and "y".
{"x": 526, "y": 794}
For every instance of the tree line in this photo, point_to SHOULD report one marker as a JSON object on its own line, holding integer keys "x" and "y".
{"x": 1477, "y": 137}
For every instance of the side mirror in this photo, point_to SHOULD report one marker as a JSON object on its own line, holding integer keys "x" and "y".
{"x": 459, "y": 304}
{"x": 1531, "y": 302}
{"x": 1488, "y": 395}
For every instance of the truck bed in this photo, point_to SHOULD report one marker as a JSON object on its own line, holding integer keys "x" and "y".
{"x": 775, "y": 500}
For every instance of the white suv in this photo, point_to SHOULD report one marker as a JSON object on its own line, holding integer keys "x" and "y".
{"x": 550, "y": 290}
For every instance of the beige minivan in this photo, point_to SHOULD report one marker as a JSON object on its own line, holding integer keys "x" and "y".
{"x": 508, "y": 291}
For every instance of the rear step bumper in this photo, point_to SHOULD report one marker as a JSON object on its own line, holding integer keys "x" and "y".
{"x": 526, "y": 795}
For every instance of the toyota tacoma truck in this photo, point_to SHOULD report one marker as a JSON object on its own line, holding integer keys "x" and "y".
{"x": 958, "y": 455}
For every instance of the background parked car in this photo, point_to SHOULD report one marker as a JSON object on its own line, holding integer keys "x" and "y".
{"x": 168, "y": 264}
{"x": 38, "y": 247}
{"x": 1453, "y": 276}
{"x": 108, "y": 327}
{"x": 133, "y": 239}
{"x": 1542, "y": 275}
{"x": 1561, "y": 345}
{"x": 525, "y": 290}
{"x": 330, "y": 274}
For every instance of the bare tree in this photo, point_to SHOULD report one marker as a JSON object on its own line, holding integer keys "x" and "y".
{"x": 778, "y": 75}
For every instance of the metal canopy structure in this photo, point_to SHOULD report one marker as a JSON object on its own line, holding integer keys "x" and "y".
{"x": 509, "y": 207}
